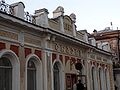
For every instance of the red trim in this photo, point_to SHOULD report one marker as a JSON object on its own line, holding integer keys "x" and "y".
{"x": 2, "y": 46}
{"x": 54, "y": 56}
{"x": 15, "y": 49}
{"x": 38, "y": 53}
{"x": 73, "y": 60}
{"x": 27, "y": 51}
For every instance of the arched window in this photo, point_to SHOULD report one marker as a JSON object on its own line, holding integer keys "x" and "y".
{"x": 93, "y": 76}
{"x": 31, "y": 75}
{"x": 56, "y": 74}
{"x": 5, "y": 74}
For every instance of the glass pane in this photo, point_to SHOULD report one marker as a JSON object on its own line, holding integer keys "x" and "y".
{"x": 5, "y": 74}
{"x": 31, "y": 76}
{"x": 56, "y": 77}
{"x": 31, "y": 64}
{"x": 5, "y": 62}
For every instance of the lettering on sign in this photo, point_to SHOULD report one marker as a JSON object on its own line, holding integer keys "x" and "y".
{"x": 8, "y": 35}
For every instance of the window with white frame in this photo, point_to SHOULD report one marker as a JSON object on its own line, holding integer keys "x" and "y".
{"x": 5, "y": 74}
{"x": 56, "y": 74}
{"x": 31, "y": 75}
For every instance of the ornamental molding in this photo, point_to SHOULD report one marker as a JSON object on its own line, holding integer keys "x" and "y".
{"x": 8, "y": 35}
{"x": 68, "y": 50}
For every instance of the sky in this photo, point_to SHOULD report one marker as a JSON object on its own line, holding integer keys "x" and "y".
{"x": 90, "y": 14}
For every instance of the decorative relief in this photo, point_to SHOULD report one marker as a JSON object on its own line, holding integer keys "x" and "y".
{"x": 92, "y": 56}
{"x": 99, "y": 58}
{"x": 67, "y": 23}
{"x": 105, "y": 60}
{"x": 8, "y": 35}
{"x": 67, "y": 49}
{"x": 67, "y": 27}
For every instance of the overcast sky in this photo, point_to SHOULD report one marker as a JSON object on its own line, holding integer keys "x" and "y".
{"x": 90, "y": 14}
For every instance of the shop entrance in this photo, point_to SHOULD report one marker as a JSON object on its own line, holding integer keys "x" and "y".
{"x": 71, "y": 79}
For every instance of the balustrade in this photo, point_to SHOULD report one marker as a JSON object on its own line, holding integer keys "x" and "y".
{"x": 6, "y": 8}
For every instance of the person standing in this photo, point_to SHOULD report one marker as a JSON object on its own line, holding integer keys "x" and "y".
{"x": 74, "y": 86}
{"x": 80, "y": 86}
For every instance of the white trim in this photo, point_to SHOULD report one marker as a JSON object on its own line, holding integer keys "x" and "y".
{"x": 95, "y": 77}
{"x": 38, "y": 65}
{"x": 107, "y": 79}
{"x": 102, "y": 78}
{"x": 16, "y": 67}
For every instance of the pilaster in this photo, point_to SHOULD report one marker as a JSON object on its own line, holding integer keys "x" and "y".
{"x": 22, "y": 61}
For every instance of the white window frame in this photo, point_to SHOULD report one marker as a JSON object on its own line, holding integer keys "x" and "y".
{"x": 15, "y": 67}
{"x": 38, "y": 65}
{"x": 61, "y": 75}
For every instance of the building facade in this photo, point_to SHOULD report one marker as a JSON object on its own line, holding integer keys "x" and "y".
{"x": 110, "y": 39}
{"x": 41, "y": 53}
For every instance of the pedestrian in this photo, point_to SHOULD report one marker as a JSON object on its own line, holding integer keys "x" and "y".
{"x": 80, "y": 86}
{"x": 74, "y": 86}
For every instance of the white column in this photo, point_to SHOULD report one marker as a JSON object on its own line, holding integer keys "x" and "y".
{"x": 95, "y": 79}
{"x": 108, "y": 80}
{"x": 44, "y": 59}
{"x": 88, "y": 76}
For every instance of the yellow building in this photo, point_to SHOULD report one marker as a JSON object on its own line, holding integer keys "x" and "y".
{"x": 39, "y": 53}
